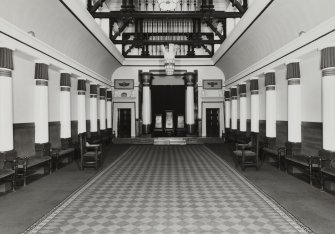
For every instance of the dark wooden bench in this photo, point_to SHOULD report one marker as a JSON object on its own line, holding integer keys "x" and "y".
{"x": 304, "y": 159}
{"x": 59, "y": 155}
{"x": 275, "y": 152}
{"x": 273, "y": 149}
{"x": 327, "y": 169}
{"x": 32, "y": 165}
{"x": 29, "y": 164}
{"x": 8, "y": 168}
{"x": 61, "y": 152}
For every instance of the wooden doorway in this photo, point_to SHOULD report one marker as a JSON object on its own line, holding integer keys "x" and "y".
{"x": 212, "y": 122}
{"x": 124, "y": 123}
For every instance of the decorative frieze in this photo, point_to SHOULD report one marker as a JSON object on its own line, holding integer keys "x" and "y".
{"x": 124, "y": 84}
{"x": 212, "y": 84}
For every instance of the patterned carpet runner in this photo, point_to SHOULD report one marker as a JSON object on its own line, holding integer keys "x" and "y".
{"x": 168, "y": 189}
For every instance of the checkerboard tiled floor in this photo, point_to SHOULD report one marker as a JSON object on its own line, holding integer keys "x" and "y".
{"x": 168, "y": 189}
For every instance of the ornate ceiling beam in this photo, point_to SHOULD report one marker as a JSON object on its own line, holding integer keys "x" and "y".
{"x": 164, "y": 15}
{"x": 160, "y": 42}
{"x": 96, "y": 6}
{"x": 209, "y": 24}
{"x": 239, "y": 7}
{"x": 123, "y": 27}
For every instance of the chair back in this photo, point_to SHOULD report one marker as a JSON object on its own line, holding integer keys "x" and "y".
{"x": 255, "y": 143}
{"x": 82, "y": 143}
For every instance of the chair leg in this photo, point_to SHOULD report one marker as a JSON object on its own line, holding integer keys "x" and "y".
{"x": 13, "y": 183}
{"x": 310, "y": 174}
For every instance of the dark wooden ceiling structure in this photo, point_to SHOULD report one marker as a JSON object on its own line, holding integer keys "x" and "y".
{"x": 152, "y": 29}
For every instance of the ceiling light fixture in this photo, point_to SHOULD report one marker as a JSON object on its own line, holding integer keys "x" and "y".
{"x": 167, "y": 5}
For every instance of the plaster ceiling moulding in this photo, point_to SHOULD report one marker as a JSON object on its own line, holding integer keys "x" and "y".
{"x": 64, "y": 71}
{"x": 41, "y": 61}
{"x": 7, "y": 45}
{"x": 270, "y": 71}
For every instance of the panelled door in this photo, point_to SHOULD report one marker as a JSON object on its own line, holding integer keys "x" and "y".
{"x": 212, "y": 122}
{"x": 124, "y": 123}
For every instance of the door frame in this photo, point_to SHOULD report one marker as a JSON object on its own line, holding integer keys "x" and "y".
{"x": 124, "y": 105}
{"x": 218, "y": 116}
{"x": 120, "y": 110}
{"x": 209, "y": 105}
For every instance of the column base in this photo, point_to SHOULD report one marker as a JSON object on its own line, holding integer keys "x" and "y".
{"x": 270, "y": 141}
{"x": 190, "y": 129}
{"x": 66, "y": 143}
{"x": 8, "y": 155}
{"x": 42, "y": 149}
{"x": 146, "y": 129}
{"x": 137, "y": 127}
{"x": 293, "y": 147}
{"x": 200, "y": 127}
{"x": 326, "y": 154}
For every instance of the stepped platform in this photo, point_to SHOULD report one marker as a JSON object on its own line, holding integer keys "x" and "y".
{"x": 168, "y": 140}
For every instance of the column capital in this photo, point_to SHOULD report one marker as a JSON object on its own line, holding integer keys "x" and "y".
{"x": 233, "y": 92}
{"x": 81, "y": 86}
{"x": 254, "y": 85}
{"x": 327, "y": 58}
{"x": 227, "y": 95}
{"x": 65, "y": 80}
{"x": 293, "y": 70}
{"x": 189, "y": 78}
{"x": 41, "y": 71}
{"x": 146, "y": 78}
{"x": 242, "y": 88}
{"x": 270, "y": 79}
{"x": 102, "y": 92}
{"x": 109, "y": 95}
{"x": 6, "y": 58}
{"x": 93, "y": 89}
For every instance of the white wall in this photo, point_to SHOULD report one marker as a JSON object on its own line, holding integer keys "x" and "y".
{"x": 54, "y": 95}
{"x": 262, "y": 101}
{"x": 55, "y": 25}
{"x": 311, "y": 87}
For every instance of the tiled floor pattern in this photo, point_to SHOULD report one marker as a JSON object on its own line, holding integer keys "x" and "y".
{"x": 168, "y": 189}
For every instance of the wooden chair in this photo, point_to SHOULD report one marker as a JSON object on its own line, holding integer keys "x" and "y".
{"x": 247, "y": 155}
{"x": 90, "y": 154}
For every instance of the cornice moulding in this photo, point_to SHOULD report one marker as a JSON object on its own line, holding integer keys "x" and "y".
{"x": 41, "y": 51}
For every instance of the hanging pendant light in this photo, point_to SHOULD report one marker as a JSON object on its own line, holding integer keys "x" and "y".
{"x": 167, "y": 5}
